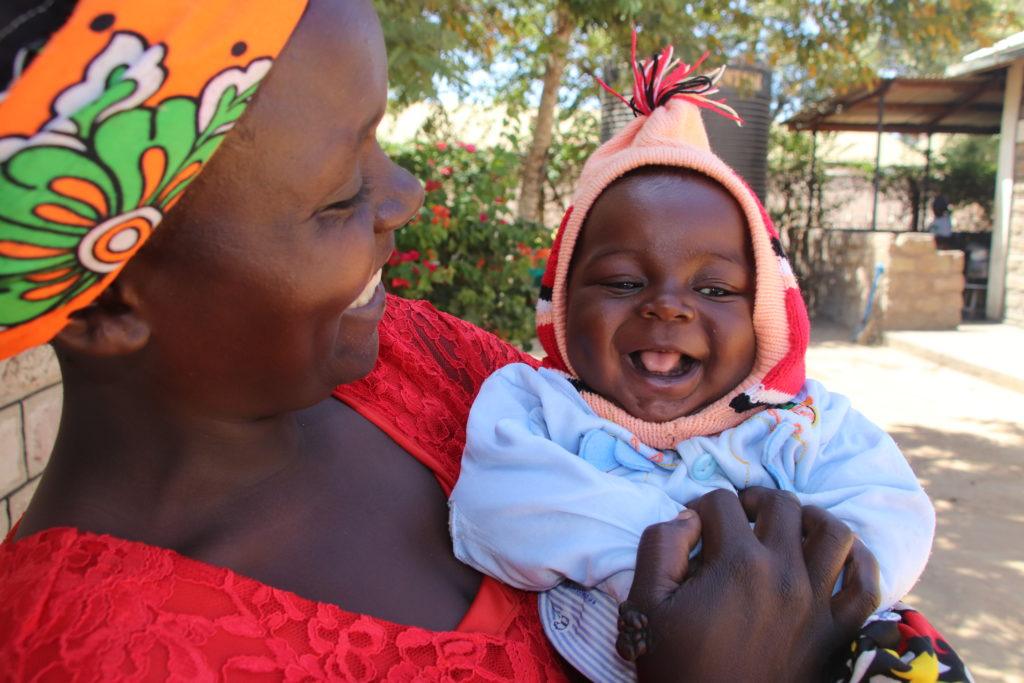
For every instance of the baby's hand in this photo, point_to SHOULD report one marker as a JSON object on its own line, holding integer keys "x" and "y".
{"x": 634, "y": 638}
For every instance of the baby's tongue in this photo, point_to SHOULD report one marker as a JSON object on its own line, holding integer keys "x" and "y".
{"x": 660, "y": 361}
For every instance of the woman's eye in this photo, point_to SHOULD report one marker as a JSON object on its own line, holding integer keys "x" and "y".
{"x": 350, "y": 203}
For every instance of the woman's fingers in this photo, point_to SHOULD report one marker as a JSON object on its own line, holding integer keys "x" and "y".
{"x": 663, "y": 558}
{"x": 860, "y": 593}
{"x": 723, "y": 521}
{"x": 776, "y": 516}
{"x": 826, "y": 548}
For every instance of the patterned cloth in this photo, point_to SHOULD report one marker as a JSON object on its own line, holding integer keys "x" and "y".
{"x": 901, "y": 645}
{"x": 104, "y": 131}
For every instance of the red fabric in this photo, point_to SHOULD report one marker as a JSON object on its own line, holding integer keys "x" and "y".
{"x": 78, "y": 606}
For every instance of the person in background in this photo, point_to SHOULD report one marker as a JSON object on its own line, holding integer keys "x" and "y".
{"x": 942, "y": 225}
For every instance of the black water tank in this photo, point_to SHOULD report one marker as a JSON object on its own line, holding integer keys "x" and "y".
{"x": 748, "y": 90}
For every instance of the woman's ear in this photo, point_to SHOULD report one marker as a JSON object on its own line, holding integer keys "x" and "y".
{"x": 109, "y": 326}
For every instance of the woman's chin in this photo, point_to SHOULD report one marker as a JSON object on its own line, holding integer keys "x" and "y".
{"x": 351, "y": 364}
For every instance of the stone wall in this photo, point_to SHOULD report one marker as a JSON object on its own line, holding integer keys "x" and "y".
{"x": 1014, "y": 311}
{"x": 843, "y": 272}
{"x": 921, "y": 288}
{"x": 30, "y": 405}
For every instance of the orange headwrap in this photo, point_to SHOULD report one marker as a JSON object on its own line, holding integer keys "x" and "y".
{"x": 103, "y": 132}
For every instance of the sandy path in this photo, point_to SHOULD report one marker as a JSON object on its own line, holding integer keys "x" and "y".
{"x": 965, "y": 440}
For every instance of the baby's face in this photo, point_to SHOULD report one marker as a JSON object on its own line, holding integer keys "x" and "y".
{"x": 661, "y": 295}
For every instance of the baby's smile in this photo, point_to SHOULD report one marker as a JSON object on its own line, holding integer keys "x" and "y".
{"x": 661, "y": 363}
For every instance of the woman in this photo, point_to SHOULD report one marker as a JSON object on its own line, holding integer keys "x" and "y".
{"x": 211, "y": 509}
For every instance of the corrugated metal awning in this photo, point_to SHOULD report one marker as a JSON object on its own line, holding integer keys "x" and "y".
{"x": 964, "y": 104}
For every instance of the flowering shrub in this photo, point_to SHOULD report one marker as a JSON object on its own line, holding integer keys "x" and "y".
{"x": 466, "y": 252}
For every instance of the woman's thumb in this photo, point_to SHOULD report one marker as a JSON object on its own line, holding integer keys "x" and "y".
{"x": 663, "y": 559}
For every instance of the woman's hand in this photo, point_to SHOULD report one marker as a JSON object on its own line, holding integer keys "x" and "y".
{"x": 758, "y": 603}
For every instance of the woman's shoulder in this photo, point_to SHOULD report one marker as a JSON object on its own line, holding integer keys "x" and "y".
{"x": 91, "y": 607}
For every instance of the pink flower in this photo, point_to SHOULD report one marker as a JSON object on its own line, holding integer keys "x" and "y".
{"x": 394, "y": 259}
{"x": 411, "y": 255}
{"x": 442, "y": 146}
{"x": 400, "y": 283}
{"x": 469, "y": 147}
{"x": 446, "y": 171}
{"x": 432, "y": 185}
{"x": 431, "y": 266}
{"x": 484, "y": 217}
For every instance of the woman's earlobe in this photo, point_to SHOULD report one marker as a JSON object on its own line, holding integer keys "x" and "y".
{"x": 110, "y": 326}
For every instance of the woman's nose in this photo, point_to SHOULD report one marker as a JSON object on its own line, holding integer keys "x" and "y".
{"x": 667, "y": 308}
{"x": 403, "y": 199}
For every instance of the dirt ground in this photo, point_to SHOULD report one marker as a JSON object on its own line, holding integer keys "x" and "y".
{"x": 965, "y": 440}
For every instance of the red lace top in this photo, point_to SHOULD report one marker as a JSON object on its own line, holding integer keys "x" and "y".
{"x": 78, "y": 606}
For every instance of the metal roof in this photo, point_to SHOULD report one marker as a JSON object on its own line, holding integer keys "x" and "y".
{"x": 970, "y": 103}
{"x": 1007, "y": 50}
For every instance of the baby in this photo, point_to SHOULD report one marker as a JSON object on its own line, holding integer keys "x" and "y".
{"x": 675, "y": 335}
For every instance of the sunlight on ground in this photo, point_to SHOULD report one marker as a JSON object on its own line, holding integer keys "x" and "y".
{"x": 964, "y": 438}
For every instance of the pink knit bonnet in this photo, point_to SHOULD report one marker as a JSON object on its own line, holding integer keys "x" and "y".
{"x": 668, "y": 131}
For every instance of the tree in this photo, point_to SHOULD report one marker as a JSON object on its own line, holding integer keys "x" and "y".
{"x": 815, "y": 47}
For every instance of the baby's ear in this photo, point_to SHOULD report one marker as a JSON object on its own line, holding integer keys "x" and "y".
{"x": 109, "y": 326}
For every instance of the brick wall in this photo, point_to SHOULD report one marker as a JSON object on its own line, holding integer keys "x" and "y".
{"x": 922, "y": 287}
{"x": 30, "y": 404}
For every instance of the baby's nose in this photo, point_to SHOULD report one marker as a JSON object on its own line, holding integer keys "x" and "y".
{"x": 667, "y": 308}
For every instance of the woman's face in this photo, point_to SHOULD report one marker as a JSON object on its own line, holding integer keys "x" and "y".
{"x": 261, "y": 288}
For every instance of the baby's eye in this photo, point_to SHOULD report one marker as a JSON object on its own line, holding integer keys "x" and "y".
{"x": 623, "y": 285}
{"x": 713, "y": 291}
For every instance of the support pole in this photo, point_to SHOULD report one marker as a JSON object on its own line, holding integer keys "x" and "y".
{"x": 926, "y": 186}
{"x": 995, "y": 298}
{"x": 812, "y": 181}
{"x": 878, "y": 153}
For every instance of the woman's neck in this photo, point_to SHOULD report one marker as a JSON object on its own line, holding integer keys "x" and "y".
{"x": 135, "y": 465}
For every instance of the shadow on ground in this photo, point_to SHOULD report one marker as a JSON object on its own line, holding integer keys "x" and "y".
{"x": 972, "y": 587}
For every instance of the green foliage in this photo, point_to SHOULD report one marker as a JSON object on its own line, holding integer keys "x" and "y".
{"x": 573, "y": 143}
{"x": 966, "y": 171}
{"x": 465, "y": 251}
{"x": 438, "y": 41}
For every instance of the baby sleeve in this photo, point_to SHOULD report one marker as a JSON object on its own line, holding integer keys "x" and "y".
{"x": 860, "y": 476}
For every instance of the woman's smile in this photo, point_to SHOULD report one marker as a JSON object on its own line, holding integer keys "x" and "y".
{"x": 370, "y": 292}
